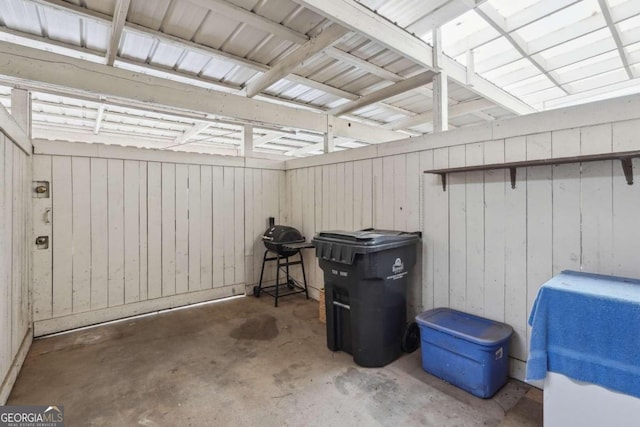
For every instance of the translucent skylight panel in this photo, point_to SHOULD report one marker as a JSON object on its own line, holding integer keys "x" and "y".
{"x": 217, "y": 68}
{"x": 633, "y": 53}
{"x": 193, "y": 62}
{"x": 593, "y": 66}
{"x": 464, "y": 26}
{"x": 166, "y": 55}
{"x": 538, "y": 99}
{"x": 492, "y": 49}
{"x": 614, "y": 3}
{"x": 136, "y": 46}
{"x": 496, "y": 54}
{"x": 20, "y": 15}
{"x": 598, "y": 81}
{"x": 629, "y": 24}
{"x": 522, "y": 66}
{"x": 579, "y": 44}
{"x": 509, "y": 7}
{"x": 96, "y": 35}
{"x": 64, "y": 27}
{"x": 625, "y": 10}
{"x": 531, "y": 85}
{"x": 561, "y": 19}
{"x": 372, "y": 4}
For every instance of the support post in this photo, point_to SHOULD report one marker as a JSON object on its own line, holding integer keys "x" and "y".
{"x": 440, "y": 88}
{"x": 471, "y": 67}
{"x": 21, "y": 109}
{"x": 329, "y": 143}
{"x": 246, "y": 148}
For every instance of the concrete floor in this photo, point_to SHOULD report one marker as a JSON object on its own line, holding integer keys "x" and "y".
{"x": 244, "y": 362}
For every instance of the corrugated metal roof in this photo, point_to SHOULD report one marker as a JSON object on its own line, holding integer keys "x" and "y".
{"x": 548, "y": 53}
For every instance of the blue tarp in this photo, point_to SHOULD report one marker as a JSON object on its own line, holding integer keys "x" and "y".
{"x": 587, "y": 327}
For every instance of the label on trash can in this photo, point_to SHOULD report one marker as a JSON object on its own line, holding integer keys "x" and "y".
{"x": 340, "y": 273}
{"x": 398, "y": 270}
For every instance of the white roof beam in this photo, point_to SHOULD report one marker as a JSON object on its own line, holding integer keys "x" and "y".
{"x": 308, "y": 149}
{"x": 252, "y": 19}
{"x": 396, "y": 109}
{"x": 26, "y": 39}
{"x": 454, "y": 111}
{"x": 358, "y": 18}
{"x": 195, "y": 47}
{"x": 498, "y": 22}
{"x": 289, "y": 63}
{"x": 267, "y": 138}
{"x": 606, "y": 12}
{"x": 363, "y": 21}
{"x": 173, "y": 41}
{"x": 442, "y": 15}
{"x": 484, "y": 116}
{"x": 382, "y": 94}
{"x": 458, "y": 73}
{"x": 119, "y": 19}
{"x": 320, "y": 146}
{"x": 196, "y": 129}
{"x": 65, "y": 6}
{"x": 26, "y": 64}
{"x": 323, "y": 87}
{"x": 171, "y": 74}
{"x": 367, "y": 66}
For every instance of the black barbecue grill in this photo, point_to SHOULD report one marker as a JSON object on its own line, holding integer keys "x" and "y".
{"x": 285, "y": 242}
{"x": 277, "y": 236}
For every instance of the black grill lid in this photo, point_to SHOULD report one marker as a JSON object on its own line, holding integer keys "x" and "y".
{"x": 278, "y": 235}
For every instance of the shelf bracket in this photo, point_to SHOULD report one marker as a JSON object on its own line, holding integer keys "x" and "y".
{"x": 512, "y": 172}
{"x": 627, "y": 168}
{"x": 443, "y": 178}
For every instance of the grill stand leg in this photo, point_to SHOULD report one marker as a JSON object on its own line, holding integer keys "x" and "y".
{"x": 286, "y": 261}
{"x": 289, "y": 281}
{"x": 304, "y": 276}
{"x": 264, "y": 261}
{"x": 277, "y": 276}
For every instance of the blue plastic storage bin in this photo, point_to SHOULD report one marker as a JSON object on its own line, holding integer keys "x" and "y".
{"x": 465, "y": 350}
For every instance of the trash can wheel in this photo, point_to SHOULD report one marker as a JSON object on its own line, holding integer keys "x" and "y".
{"x": 411, "y": 338}
{"x": 256, "y": 291}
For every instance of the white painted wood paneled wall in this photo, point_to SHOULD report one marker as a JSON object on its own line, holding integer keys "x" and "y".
{"x": 381, "y": 193}
{"x": 131, "y": 236}
{"x": 487, "y": 248}
{"x": 15, "y": 204}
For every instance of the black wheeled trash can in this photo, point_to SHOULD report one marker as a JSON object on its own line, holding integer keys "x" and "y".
{"x": 365, "y": 285}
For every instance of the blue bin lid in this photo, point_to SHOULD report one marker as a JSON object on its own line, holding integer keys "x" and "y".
{"x": 472, "y": 328}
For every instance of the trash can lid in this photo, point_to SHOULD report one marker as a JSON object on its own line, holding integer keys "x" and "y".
{"x": 368, "y": 237}
{"x": 471, "y": 328}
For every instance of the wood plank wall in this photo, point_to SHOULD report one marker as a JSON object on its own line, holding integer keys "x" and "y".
{"x": 487, "y": 248}
{"x": 380, "y": 193}
{"x": 135, "y": 236}
{"x": 15, "y": 199}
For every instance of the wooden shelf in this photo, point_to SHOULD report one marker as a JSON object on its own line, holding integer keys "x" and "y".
{"x": 624, "y": 157}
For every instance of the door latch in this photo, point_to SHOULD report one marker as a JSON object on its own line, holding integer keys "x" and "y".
{"x": 40, "y": 189}
{"x": 42, "y": 242}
